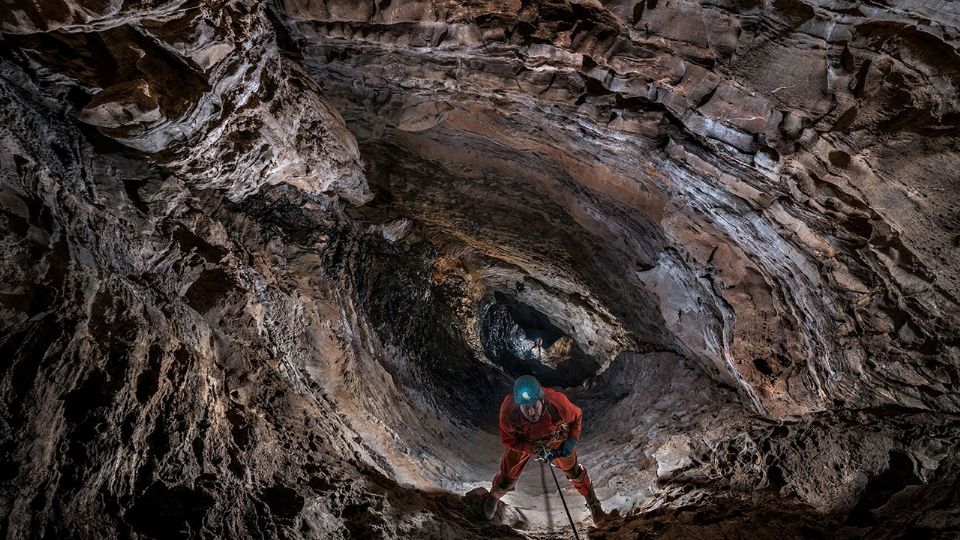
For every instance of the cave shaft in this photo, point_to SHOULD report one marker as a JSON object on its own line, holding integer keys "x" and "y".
{"x": 269, "y": 266}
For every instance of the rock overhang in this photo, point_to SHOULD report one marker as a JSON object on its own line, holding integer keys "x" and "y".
{"x": 651, "y": 176}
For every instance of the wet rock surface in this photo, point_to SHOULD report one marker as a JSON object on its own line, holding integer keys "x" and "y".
{"x": 269, "y": 268}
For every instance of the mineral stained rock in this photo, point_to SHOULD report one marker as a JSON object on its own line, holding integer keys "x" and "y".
{"x": 269, "y": 267}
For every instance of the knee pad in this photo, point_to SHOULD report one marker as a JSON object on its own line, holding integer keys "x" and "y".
{"x": 502, "y": 485}
{"x": 507, "y": 484}
{"x": 581, "y": 482}
{"x": 576, "y": 474}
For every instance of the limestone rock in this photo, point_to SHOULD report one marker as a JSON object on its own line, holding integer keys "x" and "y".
{"x": 268, "y": 269}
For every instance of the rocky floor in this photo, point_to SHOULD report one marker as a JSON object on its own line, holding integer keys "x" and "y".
{"x": 267, "y": 268}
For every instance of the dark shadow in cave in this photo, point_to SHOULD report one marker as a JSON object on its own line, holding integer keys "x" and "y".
{"x": 534, "y": 324}
{"x": 508, "y": 331}
{"x": 513, "y": 215}
{"x": 392, "y": 287}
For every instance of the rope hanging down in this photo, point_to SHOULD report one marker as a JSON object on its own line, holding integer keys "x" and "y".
{"x": 564, "y": 501}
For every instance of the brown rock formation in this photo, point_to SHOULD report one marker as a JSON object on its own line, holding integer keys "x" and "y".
{"x": 269, "y": 267}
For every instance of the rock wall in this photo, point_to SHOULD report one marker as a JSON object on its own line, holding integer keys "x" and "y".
{"x": 707, "y": 175}
{"x": 200, "y": 87}
{"x": 250, "y": 249}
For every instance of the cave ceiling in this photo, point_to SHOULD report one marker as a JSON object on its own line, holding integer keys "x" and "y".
{"x": 268, "y": 267}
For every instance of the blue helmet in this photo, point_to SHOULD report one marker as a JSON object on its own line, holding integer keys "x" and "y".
{"x": 527, "y": 391}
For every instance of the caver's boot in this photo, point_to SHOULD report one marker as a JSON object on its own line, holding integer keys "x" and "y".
{"x": 490, "y": 506}
{"x": 593, "y": 504}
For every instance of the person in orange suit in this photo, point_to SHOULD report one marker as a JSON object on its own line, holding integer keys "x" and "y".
{"x": 543, "y": 423}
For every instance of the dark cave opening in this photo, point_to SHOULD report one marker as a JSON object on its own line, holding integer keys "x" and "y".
{"x": 535, "y": 325}
{"x": 508, "y": 332}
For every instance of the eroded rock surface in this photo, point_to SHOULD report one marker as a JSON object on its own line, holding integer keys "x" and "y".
{"x": 269, "y": 267}
{"x": 743, "y": 171}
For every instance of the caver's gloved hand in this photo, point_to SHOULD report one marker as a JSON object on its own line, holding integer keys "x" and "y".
{"x": 567, "y": 448}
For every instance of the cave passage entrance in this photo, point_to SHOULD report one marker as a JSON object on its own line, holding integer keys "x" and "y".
{"x": 508, "y": 332}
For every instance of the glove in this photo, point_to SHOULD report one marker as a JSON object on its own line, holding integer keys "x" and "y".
{"x": 567, "y": 448}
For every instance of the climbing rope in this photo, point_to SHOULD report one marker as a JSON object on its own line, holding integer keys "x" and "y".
{"x": 546, "y": 498}
{"x": 564, "y": 501}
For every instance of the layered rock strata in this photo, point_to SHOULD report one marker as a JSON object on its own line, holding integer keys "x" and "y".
{"x": 743, "y": 171}
{"x": 258, "y": 259}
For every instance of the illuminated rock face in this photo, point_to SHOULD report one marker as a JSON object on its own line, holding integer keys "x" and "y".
{"x": 268, "y": 269}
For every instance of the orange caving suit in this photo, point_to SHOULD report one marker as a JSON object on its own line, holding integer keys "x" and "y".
{"x": 520, "y": 437}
